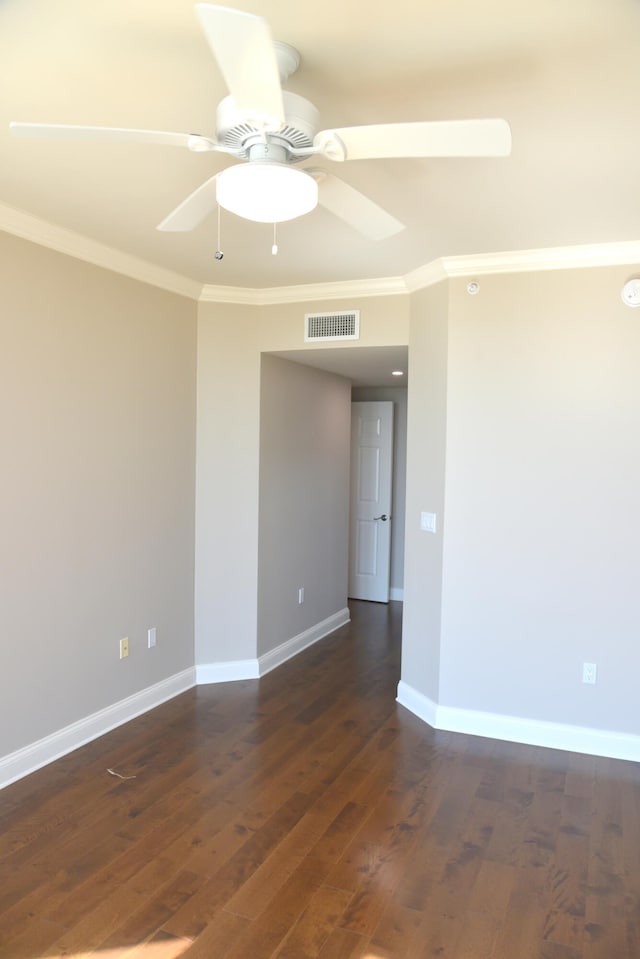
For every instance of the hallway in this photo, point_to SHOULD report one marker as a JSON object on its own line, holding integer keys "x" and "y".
{"x": 308, "y": 816}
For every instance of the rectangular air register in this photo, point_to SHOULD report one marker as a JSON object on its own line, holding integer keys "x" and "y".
{"x": 332, "y": 326}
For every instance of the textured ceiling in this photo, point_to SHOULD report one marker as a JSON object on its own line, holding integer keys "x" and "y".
{"x": 564, "y": 74}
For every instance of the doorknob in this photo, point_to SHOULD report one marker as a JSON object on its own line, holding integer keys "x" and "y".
{"x": 383, "y": 517}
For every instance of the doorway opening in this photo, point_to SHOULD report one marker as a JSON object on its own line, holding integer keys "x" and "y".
{"x": 370, "y": 372}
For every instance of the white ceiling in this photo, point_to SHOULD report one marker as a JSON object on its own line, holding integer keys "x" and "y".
{"x": 564, "y": 73}
{"x": 364, "y": 365}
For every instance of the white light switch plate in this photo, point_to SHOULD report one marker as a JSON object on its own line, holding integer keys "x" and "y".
{"x": 428, "y": 522}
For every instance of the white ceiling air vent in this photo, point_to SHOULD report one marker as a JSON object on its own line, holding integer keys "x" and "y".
{"x": 332, "y": 326}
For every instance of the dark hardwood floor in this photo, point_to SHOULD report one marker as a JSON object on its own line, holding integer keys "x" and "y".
{"x": 308, "y": 815}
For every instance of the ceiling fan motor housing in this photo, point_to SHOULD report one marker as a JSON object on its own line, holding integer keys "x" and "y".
{"x": 239, "y": 133}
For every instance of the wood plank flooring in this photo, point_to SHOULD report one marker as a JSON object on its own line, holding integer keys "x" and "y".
{"x": 308, "y": 816}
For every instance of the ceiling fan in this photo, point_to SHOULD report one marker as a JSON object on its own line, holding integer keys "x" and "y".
{"x": 271, "y": 130}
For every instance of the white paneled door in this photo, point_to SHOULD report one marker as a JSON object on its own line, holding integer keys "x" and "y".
{"x": 370, "y": 517}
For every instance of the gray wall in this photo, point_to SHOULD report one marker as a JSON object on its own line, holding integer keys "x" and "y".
{"x": 97, "y": 419}
{"x": 533, "y": 467}
{"x": 305, "y": 420}
{"x": 398, "y": 396}
{"x": 523, "y": 436}
{"x": 231, "y": 341}
{"x": 426, "y": 445}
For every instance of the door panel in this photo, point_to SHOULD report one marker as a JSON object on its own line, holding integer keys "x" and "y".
{"x": 370, "y": 523}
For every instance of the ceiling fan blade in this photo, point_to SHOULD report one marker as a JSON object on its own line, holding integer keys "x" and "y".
{"x": 62, "y": 131}
{"x": 356, "y": 209}
{"x": 242, "y": 45}
{"x": 192, "y": 211}
{"x": 440, "y": 138}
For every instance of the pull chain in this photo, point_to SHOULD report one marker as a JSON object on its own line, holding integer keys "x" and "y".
{"x": 274, "y": 248}
{"x": 219, "y": 254}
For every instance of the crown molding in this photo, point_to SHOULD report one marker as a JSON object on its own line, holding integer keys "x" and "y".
{"x": 449, "y": 267}
{"x": 550, "y": 258}
{"x": 524, "y": 261}
{"x": 427, "y": 275}
{"x": 339, "y": 290}
{"x": 230, "y": 294}
{"x": 32, "y": 228}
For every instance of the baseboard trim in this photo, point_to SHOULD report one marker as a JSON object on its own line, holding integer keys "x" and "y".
{"x": 515, "y": 729}
{"x": 24, "y": 761}
{"x": 396, "y": 594}
{"x": 417, "y": 703}
{"x": 20, "y": 763}
{"x": 254, "y": 668}
{"x": 275, "y": 657}
{"x": 229, "y": 672}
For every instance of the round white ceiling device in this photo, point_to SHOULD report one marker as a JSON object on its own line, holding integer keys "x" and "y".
{"x": 631, "y": 292}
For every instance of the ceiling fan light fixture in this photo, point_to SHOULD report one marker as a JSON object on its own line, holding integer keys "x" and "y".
{"x": 266, "y": 192}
